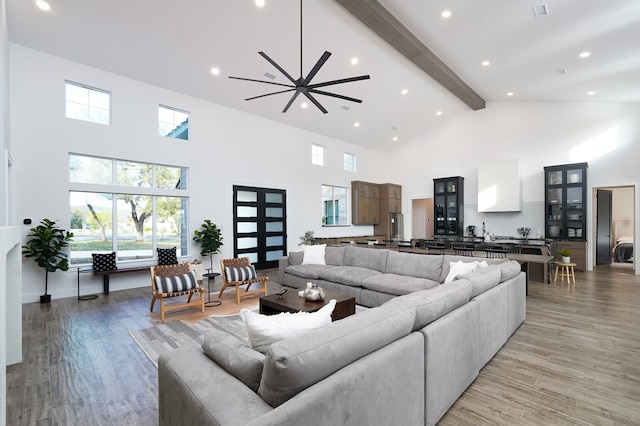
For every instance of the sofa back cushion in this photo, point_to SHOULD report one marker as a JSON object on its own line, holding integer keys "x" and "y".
{"x": 235, "y": 356}
{"x": 435, "y": 302}
{"x": 414, "y": 265}
{"x": 295, "y": 364}
{"x": 482, "y": 279}
{"x": 509, "y": 270}
{"x": 296, "y": 257}
{"x": 334, "y": 256}
{"x": 366, "y": 258}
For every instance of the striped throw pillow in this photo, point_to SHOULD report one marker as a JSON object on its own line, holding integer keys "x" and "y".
{"x": 176, "y": 284}
{"x": 240, "y": 274}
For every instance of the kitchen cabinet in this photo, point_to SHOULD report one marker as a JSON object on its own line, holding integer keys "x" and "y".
{"x": 365, "y": 203}
{"x": 566, "y": 202}
{"x": 448, "y": 217}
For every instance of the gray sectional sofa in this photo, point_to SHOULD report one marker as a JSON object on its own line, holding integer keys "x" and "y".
{"x": 404, "y": 361}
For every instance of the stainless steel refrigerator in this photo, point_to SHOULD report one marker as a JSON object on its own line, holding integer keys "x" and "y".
{"x": 396, "y": 226}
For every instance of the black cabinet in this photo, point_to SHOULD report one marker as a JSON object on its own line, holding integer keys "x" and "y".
{"x": 566, "y": 202}
{"x": 448, "y": 194}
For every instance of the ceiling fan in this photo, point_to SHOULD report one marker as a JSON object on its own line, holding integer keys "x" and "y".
{"x": 303, "y": 85}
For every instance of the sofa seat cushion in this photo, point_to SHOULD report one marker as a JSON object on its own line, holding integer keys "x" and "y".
{"x": 307, "y": 271}
{"x": 397, "y": 284}
{"x": 295, "y": 364}
{"x": 435, "y": 302}
{"x": 348, "y": 275}
{"x": 482, "y": 279}
{"x": 415, "y": 265}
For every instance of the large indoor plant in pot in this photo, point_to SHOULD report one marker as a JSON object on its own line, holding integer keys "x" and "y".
{"x": 46, "y": 244}
{"x": 209, "y": 237}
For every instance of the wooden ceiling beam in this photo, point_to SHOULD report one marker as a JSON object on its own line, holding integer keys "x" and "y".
{"x": 384, "y": 24}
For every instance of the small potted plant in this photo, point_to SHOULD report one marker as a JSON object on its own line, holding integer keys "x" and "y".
{"x": 565, "y": 253}
{"x": 45, "y": 245}
{"x": 307, "y": 239}
{"x": 209, "y": 238}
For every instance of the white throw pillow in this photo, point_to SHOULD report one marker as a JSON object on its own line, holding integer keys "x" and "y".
{"x": 459, "y": 268}
{"x": 481, "y": 265}
{"x": 314, "y": 255}
{"x": 265, "y": 330}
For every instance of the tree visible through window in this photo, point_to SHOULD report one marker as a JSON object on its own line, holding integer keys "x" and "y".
{"x": 132, "y": 211}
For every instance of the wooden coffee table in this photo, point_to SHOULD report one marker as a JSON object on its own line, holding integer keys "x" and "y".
{"x": 291, "y": 302}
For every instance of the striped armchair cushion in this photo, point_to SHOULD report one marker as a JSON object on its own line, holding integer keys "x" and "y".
{"x": 243, "y": 273}
{"x": 176, "y": 283}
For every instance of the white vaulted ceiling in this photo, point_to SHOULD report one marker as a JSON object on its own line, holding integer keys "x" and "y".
{"x": 175, "y": 44}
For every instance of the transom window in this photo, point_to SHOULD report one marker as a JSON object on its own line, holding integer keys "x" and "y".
{"x": 334, "y": 205}
{"x": 349, "y": 162}
{"x": 87, "y": 103}
{"x": 128, "y": 207}
{"x": 318, "y": 155}
{"x": 173, "y": 123}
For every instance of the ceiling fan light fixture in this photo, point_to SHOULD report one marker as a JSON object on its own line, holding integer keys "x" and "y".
{"x": 303, "y": 85}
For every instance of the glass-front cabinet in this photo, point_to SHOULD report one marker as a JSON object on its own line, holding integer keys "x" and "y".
{"x": 448, "y": 206}
{"x": 566, "y": 202}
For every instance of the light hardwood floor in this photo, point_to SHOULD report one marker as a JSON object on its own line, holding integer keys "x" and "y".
{"x": 575, "y": 360}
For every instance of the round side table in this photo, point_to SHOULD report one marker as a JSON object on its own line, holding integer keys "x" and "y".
{"x": 211, "y": 276}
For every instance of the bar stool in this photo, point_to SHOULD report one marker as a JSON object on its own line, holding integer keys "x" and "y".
{"x": 566, "y": 270}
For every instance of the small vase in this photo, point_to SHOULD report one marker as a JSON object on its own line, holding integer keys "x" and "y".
{"x": 566, "y": 259}
{"x": 314, "y": 293}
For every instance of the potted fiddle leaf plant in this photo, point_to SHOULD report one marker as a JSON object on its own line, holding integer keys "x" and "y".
{"x": 565, "y": 253}
{"x": 209, "y": 237}
{"x": 46, "y": 245}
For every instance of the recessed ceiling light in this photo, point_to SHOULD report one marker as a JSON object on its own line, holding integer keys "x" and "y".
{"x": 215, "y": 71}
{"x": 485, "y": 63}
{"x": 446, "y": 13}
{"x": 395, "y": 138}
{"x": 260, "y": 3}
{"x": 585, "y": 54}
{"x": 304, "y": 105}
{"x": 405, "y": 91}
{"x": 439, "y": 113}
{"x": 591, "y": 93}
{"x": 509, "y": 93}
{"x": 541, "y": 10}
{"x": 43, "y": 5}
{"x": 354, "y": 61}
{"x": 356, "y": 124}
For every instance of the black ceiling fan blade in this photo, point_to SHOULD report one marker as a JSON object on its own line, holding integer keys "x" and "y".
{"x": 315, "y": 102}
{"x": 293, "y": 98}
{"x": 269, "y": 94}
{"x": 335, "y": 95}
{"x": 278, "y": 67}
{"x": 325, "y": 56}
{"x": 342, "y": 80}
{"x": 261, "y": 81}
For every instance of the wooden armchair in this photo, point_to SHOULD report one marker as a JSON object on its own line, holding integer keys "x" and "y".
{"x": 239, "y": 273}
{"x": 174, "y": 281}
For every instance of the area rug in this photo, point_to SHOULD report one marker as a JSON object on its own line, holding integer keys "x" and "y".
{"x": 161, "y": 338}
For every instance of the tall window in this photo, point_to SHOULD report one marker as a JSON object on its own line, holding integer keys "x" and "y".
{"x": 334, "y": 205}
{"x": 349, "y": 162}
{"x": 87, "y": 103}
{"x": 128, "y": 207}
{"x": 318, "y": 155}
{"x": 173, "y": 123}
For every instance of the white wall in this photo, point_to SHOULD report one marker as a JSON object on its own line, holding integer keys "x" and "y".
{"x": 226, "y": 147}
{"x": 605, "y": 135}
{"x": 4, "y": 119}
